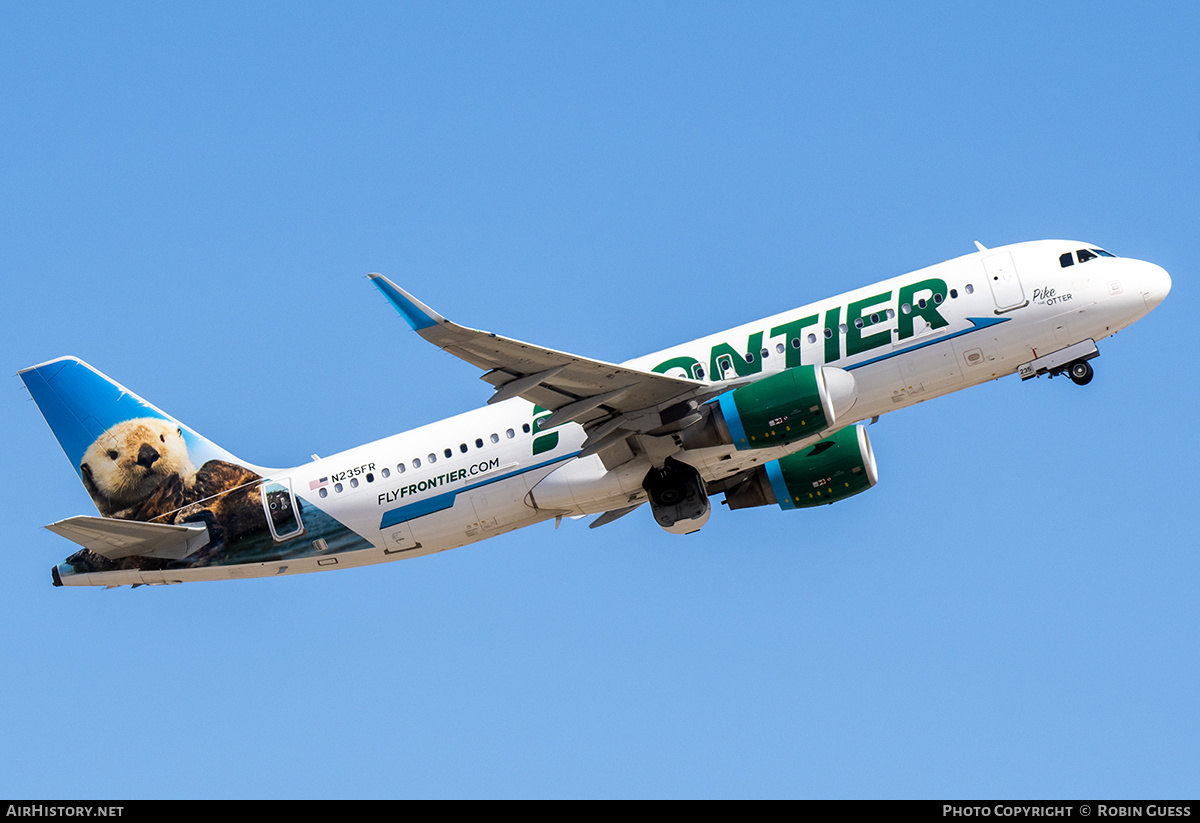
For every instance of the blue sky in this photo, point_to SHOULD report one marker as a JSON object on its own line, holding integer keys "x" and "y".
{"x": 193, "y": 197}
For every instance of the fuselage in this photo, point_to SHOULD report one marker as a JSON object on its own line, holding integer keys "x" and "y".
{"x": 905, "y": 340}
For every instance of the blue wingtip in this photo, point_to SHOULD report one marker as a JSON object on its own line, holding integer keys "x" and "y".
{"x": 417, "y": 315}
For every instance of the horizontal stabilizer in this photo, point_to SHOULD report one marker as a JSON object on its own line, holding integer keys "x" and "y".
{"x": 114, "y": 539}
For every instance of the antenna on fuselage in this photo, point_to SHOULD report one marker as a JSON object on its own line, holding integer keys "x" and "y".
{"x": 980, "y": 246}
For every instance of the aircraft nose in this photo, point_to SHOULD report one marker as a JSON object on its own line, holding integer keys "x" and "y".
{"x": 1156, "y": 284}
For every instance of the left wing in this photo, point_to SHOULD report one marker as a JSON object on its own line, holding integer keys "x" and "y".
{"x": 608, "y": 400}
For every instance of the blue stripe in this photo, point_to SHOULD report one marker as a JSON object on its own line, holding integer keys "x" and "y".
{"x": 414, "y": 510}
{"x": 733, "y": 421}
{"x": 441, "y": 502}
{"x": 977, "y": 323}
{"x": 782, "y": 496}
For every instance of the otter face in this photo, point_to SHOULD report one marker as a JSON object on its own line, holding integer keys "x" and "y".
{"x": 129, "y": 461}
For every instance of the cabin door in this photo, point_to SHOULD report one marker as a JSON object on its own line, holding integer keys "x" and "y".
{"x": 1006, "y": 284}
{"x": 281, "y": 509}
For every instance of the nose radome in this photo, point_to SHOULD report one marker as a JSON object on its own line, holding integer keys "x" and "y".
{"x": 1156, "y": 284}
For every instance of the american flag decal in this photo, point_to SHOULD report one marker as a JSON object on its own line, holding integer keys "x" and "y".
{"x": 316, "y": 484}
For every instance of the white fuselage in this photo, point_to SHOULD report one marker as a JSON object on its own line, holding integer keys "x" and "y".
{"x": 478, "y": 474}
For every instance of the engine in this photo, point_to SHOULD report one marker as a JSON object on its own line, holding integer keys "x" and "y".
{"x": 780, "y": 409}
{"x": 837, "y": 467}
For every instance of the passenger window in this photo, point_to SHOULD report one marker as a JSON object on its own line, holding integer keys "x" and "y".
{"x": 765, "y": 354}
{"x": 416, "y": 462}
{"x": 1065, "y": 260}
{"x": 842, "y": 328}
{"x": 370, "y": 477}
{"x": 780, "y": 348}
{"x": 462, "y": 447}
{"x": 337, "y": 487}
{"x": 812, "y": 338}
{"x": 386, "y": 474}
{"x": 953, "y": 294}
{"x": 906, "y": 309}
{"x": 323, "y": 492}
{"x": 400, "y": 468}
{"x": 525, "y": 428}
{"x": 699, "y": 372}
{"x": 354, "y": 482}
{"x": 510, "y": 434}
{"x": 495, "y": 438}
{"x": 970, "y": 289}
{"x": 479, "y": 442}
{"x": 828, "y": 333}
{"x": 432, "y": 457}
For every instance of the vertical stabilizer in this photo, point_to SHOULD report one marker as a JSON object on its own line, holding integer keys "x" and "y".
{"x": 122, "y": 448}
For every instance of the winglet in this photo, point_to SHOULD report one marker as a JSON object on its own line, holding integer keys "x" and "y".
{"x": 415, "y": 313}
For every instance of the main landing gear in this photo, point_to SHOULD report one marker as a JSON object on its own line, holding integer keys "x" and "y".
{"x": 678, "y": 498}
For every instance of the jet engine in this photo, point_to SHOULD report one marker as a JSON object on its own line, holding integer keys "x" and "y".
{"x": 837, "y": 467}
{"x": 780, "y": 409}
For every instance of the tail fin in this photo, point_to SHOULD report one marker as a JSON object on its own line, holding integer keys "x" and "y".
{"x": 122, "y": 448}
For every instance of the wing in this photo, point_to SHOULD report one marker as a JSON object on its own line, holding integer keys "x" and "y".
{"x": 610, "y": 401}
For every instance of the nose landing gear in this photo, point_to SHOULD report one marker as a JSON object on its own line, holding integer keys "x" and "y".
{"x": 1080, "y": 372}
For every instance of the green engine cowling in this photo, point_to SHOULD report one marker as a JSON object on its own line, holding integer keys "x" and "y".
{"x": 838, "y": 467}
{"x": 776, "y": 410}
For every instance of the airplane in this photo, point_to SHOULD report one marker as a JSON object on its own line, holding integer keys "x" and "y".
{"x": 768, "y": 413}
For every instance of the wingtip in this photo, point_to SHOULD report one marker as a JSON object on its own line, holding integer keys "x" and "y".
{"x": 415, "y": 313}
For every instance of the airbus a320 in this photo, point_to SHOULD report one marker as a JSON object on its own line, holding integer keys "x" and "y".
{"x": 768, "y": 413}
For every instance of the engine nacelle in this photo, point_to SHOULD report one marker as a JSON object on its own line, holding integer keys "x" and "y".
{"x": 838, "y": 467}
{"x": 780, "y": 409}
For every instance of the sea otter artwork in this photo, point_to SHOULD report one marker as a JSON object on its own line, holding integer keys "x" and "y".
{"x": 139, "y": 465}
{"x": 138, "y": 470}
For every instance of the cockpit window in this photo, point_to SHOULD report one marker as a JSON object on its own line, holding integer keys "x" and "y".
{"x": 1085, "y": 255}
{"x": 1065, "y": 260}
{"x": 1103, "y": 253}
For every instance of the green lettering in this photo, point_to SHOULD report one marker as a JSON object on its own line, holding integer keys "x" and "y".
{"x": 856, "y": 341}
{"x": 929, "y": 312}
{"x": 833, "y": 340}
{"x": 688, "y": 364}
{"x": 744, "y": 362}
{"x": 792, "y": 331}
